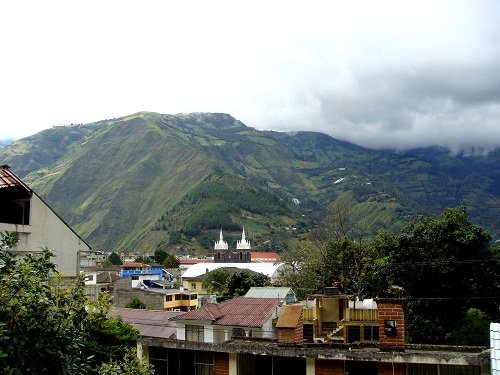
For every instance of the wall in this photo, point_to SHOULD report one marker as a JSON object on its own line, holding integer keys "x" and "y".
{"x": 391, "y": 309}
{"x": 48, "y": 230}
{"x": 123, "y": 294}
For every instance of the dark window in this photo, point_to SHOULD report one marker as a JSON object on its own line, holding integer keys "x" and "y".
{"x": 135, "y": 277}
{"x": 185, "y": 297}
{"x": 353, "y": 333}
{"x": 178, "y": 297}
{"x": 168, "y": 298}
{"x": 371, "y": 333}
{"x": 204, "y": 363}
{"x": 238, "y": 332}
{"x": 308, "y": 330}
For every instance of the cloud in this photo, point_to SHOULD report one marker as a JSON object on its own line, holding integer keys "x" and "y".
{"x": 385, "y": 74}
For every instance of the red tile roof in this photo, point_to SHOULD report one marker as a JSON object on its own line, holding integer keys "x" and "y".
{"x": 239, "y": 311}
{"x": 257, "y": 256}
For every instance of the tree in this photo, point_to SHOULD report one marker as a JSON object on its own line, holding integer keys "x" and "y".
{"x": 445, "y": 266}
{"x": 171, "y": 262}
{"x": 129, "y": 365}
{"x": 216, "y": 281}
{"x": 241, "y": 281}
{"x": 114, "y": 258}
{"x": 136, "y": 303}
{"x": 48, "y": 326}
{"x": 160, "y": 256}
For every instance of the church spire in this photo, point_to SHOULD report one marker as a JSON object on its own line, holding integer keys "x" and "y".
{"x": 221, "y": 244}
{"x": 243, "y": 244}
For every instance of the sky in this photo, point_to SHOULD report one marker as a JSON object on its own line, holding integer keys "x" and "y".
{"x": 381, "y": 74}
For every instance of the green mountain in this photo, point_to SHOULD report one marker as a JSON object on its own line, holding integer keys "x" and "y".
{"x": 150, "y": 180}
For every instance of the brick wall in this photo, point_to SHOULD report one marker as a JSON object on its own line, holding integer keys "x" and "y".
{"x": 221, "y": 364}
{"x": 387, "y": 369}
{"x": 326, "y": 367}
{"x": 391, "y": 309}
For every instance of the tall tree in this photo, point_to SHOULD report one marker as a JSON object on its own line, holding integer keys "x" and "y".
{"x": 445, "y": 266}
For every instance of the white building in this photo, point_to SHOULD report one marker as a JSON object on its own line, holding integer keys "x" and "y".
{"x": 37, "y": 225}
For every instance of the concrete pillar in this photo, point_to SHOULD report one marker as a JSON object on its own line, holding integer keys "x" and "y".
{"x": 233, "y": 364}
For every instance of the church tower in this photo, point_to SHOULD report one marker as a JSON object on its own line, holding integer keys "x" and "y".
{"x": 221, "y": 250}
{"x": 243, "y": 250}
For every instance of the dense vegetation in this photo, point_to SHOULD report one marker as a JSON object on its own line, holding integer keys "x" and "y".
{"x": 227, "y": 283}
{"x": 444, "y": 267}
{"x": 51, "y": 328}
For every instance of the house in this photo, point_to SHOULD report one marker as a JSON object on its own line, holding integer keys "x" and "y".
{"x": 37, "y": 225}
{"x": 153, "y": 271}
{"x": 228, "y": 339}
{"x": 98, "y": 280}
{"x": 285, "y": 294}
{"x": 218, "y": 322}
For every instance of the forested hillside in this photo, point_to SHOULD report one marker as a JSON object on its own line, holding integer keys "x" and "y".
{"x": 149, "y": 180}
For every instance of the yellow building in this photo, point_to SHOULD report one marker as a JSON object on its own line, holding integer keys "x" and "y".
{"x": 180, "y": 300}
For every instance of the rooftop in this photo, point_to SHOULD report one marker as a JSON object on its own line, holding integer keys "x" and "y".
{"x": 150, "y": 323}
{"x": 239, "y": 311}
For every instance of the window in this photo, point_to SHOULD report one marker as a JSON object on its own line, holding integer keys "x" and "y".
{"x": 178, "y": 297}
{"x": 238, "y": 332}
{"x": 194, "y": 296}
{"x": 390, "y": 328}
{"x": 168, "y": 298}
{"x": 193, "y": 285}
{"x": 194, "y": 333}
{"x": 185, "y": 297}
{"x": 135, "y": 277}
{"x": 204, "y": 363}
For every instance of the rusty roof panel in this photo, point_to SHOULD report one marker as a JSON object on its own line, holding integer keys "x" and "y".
{"x": 289, "y": 316}
{"x": 239, "y": 311}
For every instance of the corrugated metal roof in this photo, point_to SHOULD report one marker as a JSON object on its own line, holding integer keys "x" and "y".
{"x": 150, "y": 323}
{"x": 495, "y": 348}
{"x": 268, "y": 292}
{"x": 239, "y": 311}
{"x": 289, "y": 316}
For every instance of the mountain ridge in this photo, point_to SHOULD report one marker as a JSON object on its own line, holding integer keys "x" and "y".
{"x": 113, "y": 180}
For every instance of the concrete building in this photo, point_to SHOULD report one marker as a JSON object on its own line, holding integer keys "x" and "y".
{"x": 207, "y": 343}
{"x": 37, "y": 225}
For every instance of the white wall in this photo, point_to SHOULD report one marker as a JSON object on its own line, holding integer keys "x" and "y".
{"x": 46, "y": 229}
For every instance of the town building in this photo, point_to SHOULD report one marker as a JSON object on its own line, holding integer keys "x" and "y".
{"x": 37, "y": 225}
{"x": 267, "y": 339}
{"x": 155, "y": 294}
